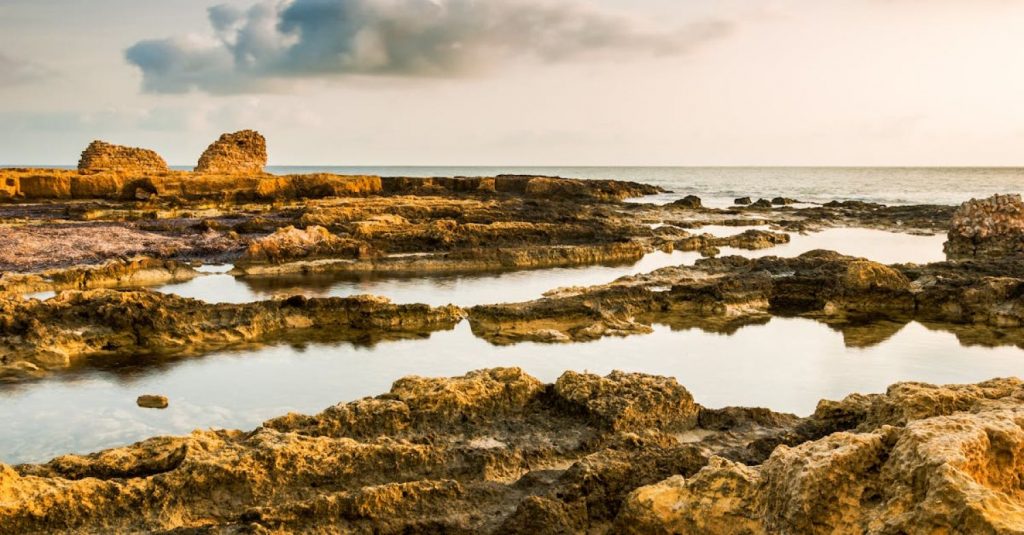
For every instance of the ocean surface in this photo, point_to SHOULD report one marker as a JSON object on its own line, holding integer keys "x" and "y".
{"x": 719, "y": 186}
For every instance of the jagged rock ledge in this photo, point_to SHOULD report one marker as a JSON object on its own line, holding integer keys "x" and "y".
{"x": 728, "y": 291}
{"x": 134, "y": 272}
{"x": 38, "y": 337}
{"x": 497, "y": 451}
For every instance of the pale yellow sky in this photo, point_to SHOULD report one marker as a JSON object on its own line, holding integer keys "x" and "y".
{"x": 657, "y": 82}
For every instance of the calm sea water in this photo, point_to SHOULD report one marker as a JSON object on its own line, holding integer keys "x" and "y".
{"x": 718, "y": 186}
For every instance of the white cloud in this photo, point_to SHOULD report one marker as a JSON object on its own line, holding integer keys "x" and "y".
{"x": 401, "y": 38}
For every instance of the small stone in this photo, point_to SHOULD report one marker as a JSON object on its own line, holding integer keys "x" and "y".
{"x": 152, "y": 402}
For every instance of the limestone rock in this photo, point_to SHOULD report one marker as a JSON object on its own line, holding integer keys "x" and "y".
{"x": 149, "y": 401}
{"x": 625, "y": 401}
{"x": 690, "y": 201}
{"x": 243, "y": 152}
{"x": 952, "y": 468}
{"x": 991, "y": 227}
{"x": 101, "y": 156}
{"x": 496, "y": 451}
{"x": 290, "y": 243}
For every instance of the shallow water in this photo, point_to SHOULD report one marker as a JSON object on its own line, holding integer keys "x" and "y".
{"x": 787, "y": 364}
{"x": 515, "y": 286}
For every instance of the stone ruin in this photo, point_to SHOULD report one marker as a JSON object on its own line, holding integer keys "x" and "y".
{"x": 243, "y": 152}
{"x": 100, "y": 156}
{"x": 991, "y": 227}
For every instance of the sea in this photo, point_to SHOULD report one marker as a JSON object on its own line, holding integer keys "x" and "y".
{"x": 720, "y": 186}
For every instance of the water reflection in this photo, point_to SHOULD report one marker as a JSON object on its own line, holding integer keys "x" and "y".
{"x": 515, "y": 286}
{"x": 787, "y": 364}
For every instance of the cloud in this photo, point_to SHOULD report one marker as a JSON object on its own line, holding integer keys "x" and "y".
{"x": 16, "y": 72}
{"x": 272, "y": 41}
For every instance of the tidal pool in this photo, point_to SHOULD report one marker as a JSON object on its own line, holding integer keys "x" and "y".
{"x": 525, "y": 285}
{"x": 787, "y": 364}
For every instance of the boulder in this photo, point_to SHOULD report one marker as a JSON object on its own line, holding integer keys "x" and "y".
{"x": 690, "y": 201}
{"x": 243, "y": 152}
{"x": 761, "y": 203}
{"x": 987, "y": 228}
{"x": 783, "y": 201}
{"x": 100, "y": 156}
{"x": 743, "y": 201}
{"x": 630, "y": 401}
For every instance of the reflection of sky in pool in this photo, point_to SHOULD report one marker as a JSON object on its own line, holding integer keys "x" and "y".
{"x": 475, "y": 289}
{"x": 787, "y": 365}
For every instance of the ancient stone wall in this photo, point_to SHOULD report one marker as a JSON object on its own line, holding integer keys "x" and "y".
{"x": 101, "y": 156}
{"x": 243, "y": 152}
{"x": 989, "y": 227}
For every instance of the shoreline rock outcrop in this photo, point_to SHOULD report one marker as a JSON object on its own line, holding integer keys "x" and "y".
{"x": 987, "y": 228}
{"x": 37, "y": 337}
{"x": 919, "y": 458}
{"x": 239, "y": 153}
{"x": 497, "y": 451}
{"x": 720, "y": 293}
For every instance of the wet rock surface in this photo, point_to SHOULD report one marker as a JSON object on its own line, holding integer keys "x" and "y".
{"x": 717, "y": 294}
{"x": 496, "y": 451}
{"x": 99, "y": 325}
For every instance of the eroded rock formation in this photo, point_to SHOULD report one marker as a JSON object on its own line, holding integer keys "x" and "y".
{"x": 497, "y": 451}
{"x": 238, "y": 153}
{"x": 991, "y": 227}
{"x": 918, "y": 459}
{"x": 717, "y": 293}
{"x": 41, "y": 336}
{"x": 290, "y": 243}
{"x": 100, "y": 156}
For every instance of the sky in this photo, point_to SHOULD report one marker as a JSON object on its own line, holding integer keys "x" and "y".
{"x": 520, "y": 82}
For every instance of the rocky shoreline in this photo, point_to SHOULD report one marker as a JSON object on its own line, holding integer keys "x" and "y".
{"x": 497, "y": 451}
